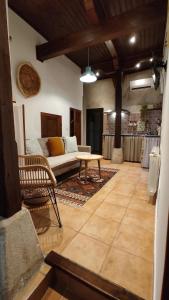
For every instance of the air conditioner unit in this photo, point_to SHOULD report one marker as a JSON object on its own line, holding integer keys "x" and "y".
{"x": 141, "y": 84}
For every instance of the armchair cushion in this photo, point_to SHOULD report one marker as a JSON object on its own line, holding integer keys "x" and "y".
{"x": 33, "y": 147}
{"x": 43, "y": 143}
{"x": 70, "y": 144}
{"x": 56, "y": 146}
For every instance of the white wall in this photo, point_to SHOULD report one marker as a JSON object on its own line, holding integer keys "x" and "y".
{"x": 162, "y": 207}
{"x": 60, "y": 84}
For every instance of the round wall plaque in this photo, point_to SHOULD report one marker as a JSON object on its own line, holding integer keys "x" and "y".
{"x": 28, "y": 80}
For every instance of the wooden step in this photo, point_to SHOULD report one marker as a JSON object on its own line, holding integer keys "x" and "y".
{"x": 52, "y": 295}
{"x": 75, "y": 282}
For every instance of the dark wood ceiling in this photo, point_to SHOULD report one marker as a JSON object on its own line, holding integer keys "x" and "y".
{"x": 66, "y": 22}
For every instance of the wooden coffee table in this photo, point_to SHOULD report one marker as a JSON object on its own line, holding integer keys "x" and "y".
{"x": 86, "y": 158}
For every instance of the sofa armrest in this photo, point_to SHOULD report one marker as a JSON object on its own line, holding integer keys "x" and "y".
{"x": 84, "y": 148}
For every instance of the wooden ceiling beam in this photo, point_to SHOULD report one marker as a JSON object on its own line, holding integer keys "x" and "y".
{"x": 130, "y": 60}
{"x": 127, "y": 23}
{"x": 106, "y": 68}
{"x": 141, "y": 57}
{"x": 110, "y": 46}
{"x": 91, "y": 12}
{"x": 94, "y": 20}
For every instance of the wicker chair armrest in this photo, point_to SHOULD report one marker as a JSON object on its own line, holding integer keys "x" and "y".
{"x": 26, "y": 160}
{"x": 36, "y": 175}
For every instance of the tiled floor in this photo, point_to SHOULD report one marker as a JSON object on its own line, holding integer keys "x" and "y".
{"x": 112, "y": 234}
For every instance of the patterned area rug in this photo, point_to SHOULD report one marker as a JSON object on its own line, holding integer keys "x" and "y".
{"x": 73, "y": 191}
{"x": 76, "y": 192}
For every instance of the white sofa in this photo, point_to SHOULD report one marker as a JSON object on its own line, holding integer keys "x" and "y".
{"x": 61, "y": 163}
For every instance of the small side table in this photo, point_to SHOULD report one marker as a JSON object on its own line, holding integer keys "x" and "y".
{"x": 86, "y": 158}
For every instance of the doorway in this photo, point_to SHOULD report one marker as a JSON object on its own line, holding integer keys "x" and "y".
{"x": 94, "y": 129}
{"x": 75, "y": 124}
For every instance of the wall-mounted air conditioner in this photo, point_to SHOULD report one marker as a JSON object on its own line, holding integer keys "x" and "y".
{"x": 141, "y": 84}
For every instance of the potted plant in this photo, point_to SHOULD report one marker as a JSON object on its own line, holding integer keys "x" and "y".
{"x": 141, "y": 122}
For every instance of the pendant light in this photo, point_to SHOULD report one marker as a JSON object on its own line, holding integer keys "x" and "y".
{"x": 88, "y": 76}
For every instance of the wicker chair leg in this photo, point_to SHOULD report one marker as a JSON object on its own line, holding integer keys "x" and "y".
{"x": 57, "y": 209}
{"x": 54, "y": 204}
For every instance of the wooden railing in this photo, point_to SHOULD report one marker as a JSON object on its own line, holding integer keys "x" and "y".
{"x": 76, "y": 282}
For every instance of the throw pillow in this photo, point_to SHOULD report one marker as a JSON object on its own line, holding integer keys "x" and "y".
{"x": 70, "y": 144}
{"x": 33, "y": 147}
{"x": 44, "y": 147}
{"x": 56, "y": 146}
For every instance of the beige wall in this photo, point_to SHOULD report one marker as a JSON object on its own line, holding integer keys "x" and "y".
{"x": 95, "y": 95}
{"x": 133, "y": 100}
{"x": 100, "y": 94}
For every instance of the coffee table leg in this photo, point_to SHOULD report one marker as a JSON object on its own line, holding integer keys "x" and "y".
{"x": 86, "y": 163}
{"x": 80, "y": 168}
{"x": 99, "y": 168}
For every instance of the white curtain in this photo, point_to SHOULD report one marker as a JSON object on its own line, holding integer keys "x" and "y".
{"x": 132, "y": 146}
{"x": 154, "y": 170}
{"x": 149, "y": 143}
{"x": 108, "y": 144}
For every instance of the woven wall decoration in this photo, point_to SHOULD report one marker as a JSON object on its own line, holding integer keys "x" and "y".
{"x": 28, "y": 80}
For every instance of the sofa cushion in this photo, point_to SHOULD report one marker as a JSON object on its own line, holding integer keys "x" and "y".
{"x": 56, "y": 146}
{"x": 43, "y": 144}
{"x": 33, "y": 147}
{"x": 70, "y": 144}
{"x": 55, "y": 161}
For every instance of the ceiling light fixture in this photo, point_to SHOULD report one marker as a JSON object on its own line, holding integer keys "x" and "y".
{"x": 88, "y": 76}
{"x": 151, "y": 59}
{"x": 138, "y": 65}
{"x": 132, "y": 40}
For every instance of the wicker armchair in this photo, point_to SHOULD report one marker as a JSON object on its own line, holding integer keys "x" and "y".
{"x": 35, "y": 172}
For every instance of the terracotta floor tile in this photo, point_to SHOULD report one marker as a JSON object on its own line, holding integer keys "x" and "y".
{"x": 117, "y": 199}
{"x": 43, "y": 218}
{"x": 135, "y": 240}
{"x": 111, "y": 212}
{"x": 56, "y": 239}
{"x": 142, "y": 186}
{"x": 141, "y": 194}
{"x": 124, "y": 189}
{"x": 86, "y": 251}
{"x": 140, "y": 205}
{"x": 112, "y": 232}
{"x": 134, "y": 170}
{"x": 142, "y": 219}
{"x": 101, "y": 229}
{"x": 92, "y": 204}
{"x": 130, "y": 179}
{"x": 74, "y": 218}
{"x": 102, "y": 193}
{"x": 129, "y": 271}
{"x": 143, "y": 180}
{"x": 51, "y": 295}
